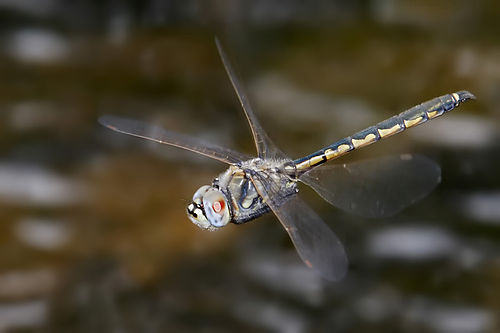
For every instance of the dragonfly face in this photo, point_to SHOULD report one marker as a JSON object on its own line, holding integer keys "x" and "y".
{"x": 209, "y": 209}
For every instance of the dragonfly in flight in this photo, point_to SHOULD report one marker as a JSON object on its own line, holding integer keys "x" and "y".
{"x": 254, "y": 186}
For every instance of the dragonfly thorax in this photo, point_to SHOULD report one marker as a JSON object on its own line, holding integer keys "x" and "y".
{"x": 244, "y": 184}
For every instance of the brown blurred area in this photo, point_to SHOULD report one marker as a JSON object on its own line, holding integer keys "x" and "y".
{"x": 94, "y": 234}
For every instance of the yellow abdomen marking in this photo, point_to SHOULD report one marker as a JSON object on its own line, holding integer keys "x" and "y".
{"x": 357, "y": 143}
{"x": 414, "y": 121}
{"x": 385, "y": 132}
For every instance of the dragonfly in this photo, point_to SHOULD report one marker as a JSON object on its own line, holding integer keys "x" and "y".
{"x": 252, "y": 186}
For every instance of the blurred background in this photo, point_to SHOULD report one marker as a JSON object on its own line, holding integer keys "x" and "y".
{"x": 94, "y": 235}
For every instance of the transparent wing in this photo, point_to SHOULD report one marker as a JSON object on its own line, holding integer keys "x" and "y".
{"x": 265, "y": 147}
{"x": 314, "y": 241}
{"x": 375, "y": 188}
{"x": 160, "y": 135}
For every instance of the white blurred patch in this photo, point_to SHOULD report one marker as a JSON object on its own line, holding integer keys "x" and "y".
{"x": 416, "y": 243}
{"x": 470, "y": 257}
{"x": 119, "y": 26}
{"x": 43, "y": 233}
{"x": 450, "y": 318}
{"x": 274, "y": 317}
{"x": 24, "y": 284}
{"x": 27, "y": 185}
{"x": 459, "y": 131}
{"x": 466, "y": 62}
{"x": 379, "y": 304}
{"x": 29, "y": 115}
{"x": 482, "y": 64}
{"x": 37, "y": 46}
{"x": 384, "y": 11}
{"x": 285, "y": 274}
{"x": 22, "y": 315}
{"x": 484, "y": 207}
{"x": 294, "y": 106}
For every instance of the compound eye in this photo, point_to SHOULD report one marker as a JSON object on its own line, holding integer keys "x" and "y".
{"x": 215, "y": 205}
{"x": 198, "y": 195}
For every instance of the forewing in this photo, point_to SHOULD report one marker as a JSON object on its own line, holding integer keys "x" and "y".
{"x": 314, "y": 241}
{"x": 265, "y": 147}
{"x": 375, "y": 188}
{"x": 160, "y": 135}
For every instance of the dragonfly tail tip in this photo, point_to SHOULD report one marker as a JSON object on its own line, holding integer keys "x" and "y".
{"x": 465, "y": 95}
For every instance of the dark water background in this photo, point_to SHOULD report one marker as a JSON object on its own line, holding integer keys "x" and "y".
{"x": 94, "y": 236}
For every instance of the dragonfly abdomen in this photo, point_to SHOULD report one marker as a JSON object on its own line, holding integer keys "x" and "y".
{"x": 417, "y": 115}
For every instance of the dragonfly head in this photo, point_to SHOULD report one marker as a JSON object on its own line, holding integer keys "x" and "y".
{"x": 209, "y": 209}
